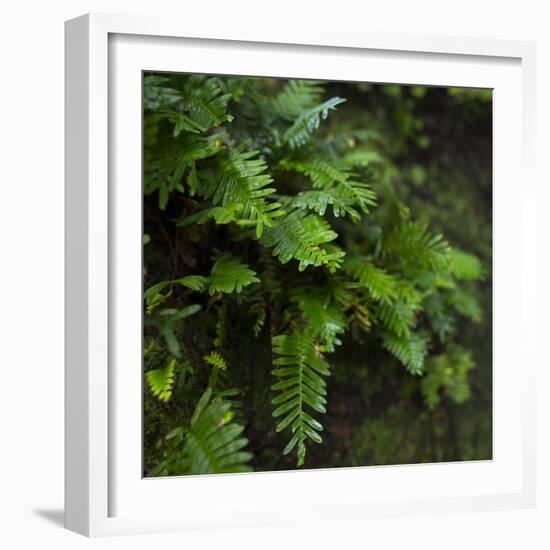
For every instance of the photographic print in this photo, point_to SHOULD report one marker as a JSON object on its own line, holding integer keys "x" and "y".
{"x": 316, "y": 273}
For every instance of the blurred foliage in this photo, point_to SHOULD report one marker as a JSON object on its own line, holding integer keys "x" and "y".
{"x": 317, "y": 266}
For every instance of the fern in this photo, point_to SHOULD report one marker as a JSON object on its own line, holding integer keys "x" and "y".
{"x": 218, "y": 374}
{"x": 221, "y": 215}
{"x": 229, "y": 275}
{"x": 414, "y": 244}
{"x": 448, "y": 372}
{"x": 205, "y": 103}
{"x": 465, "y": 266}
{"x": 240, "y": 182}
{"x": 332, "y": 186}
{"x": 321, "y": 172}
{"x": 325, "y": 320}
{"x": 161, "y": 381}
{"x": 300, "y": 132}
{"x": 342, "y": 199}
{"x": 303, "y": 237}
{"x": 399, "y": 317}
{"x": 411, "y": 350}
{"x": 439, "y": 316}
{"x": 157, "y": 93}
{"x": 296, "y": 97}
{"x": 216, "y": 360}
{"x": 301, "y": 389}
{"x": 362, "y": 158}
{"x": 273, "y": 222}
{"x": 166, "y": 173}
{"x": 382, "y": 286}
{"x": 213, "y": 443}
{"x": 167, "y": 321}
{"x": 465, "y": 303}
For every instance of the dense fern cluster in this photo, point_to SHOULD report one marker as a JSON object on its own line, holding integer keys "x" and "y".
{"x": 277, "y": 239}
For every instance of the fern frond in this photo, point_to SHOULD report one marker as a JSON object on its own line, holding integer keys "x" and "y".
{"x": 333, "y": 186}
{"x": 382, "y": 286}
{"x": 398, "y": 317}
{"x": 411, "y": 350}
{"x": 167, "y": 321}
{"x": 257, "y": 310}
{"x": 414, "y": 244}
{"x": 219, "y": 369}
{"x": 157, "y": 93}
{"x": 465, "y": 266}
{"x": 161, "y": 381}
{"x": 325, "y": 320}
{"x": 242, "y": 180}
{"x": 205, "y": 103}
{"x": 301, "y": 388}
{"x": 304, "y": 126}
{"x": 214, "y": 443}
{"x": 343, "y": 198}
{"x": 165, "y": 172}
{"x": 448, "y": 372}
{"x": 194, "y": 282}
{"x": 304, "y": 237}
{"x": 229, "y": 275}
{"x": 466, "y": 303}
{"x": 220, "y": 214}
{"x": 296, "y": 97}
{"x": 322, "y": 173}
{"x": 362, "y": 158}
{"x": 216, "y": 360}
{"x": 439, "y": 316}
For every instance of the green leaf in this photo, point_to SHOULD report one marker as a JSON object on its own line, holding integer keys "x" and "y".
{"x": 301, "y": 389}
{"x": 296, "y": 97}
{"x": 212, "y": 444}
{"x": 333, "y": 186}
{"x": 325, "y": 320}
{"x": 230, "y": 275}
{"x": 167, "y": 321}
{"x": 216, "y": 360}
{"x": 411, "y": 350}
{"x": 465, "y": 266}
{"x": 194, "y": 282}
{"x": 241, "y": 179}
{"x": 466, "y": 303}
{"x": 304, "y": 237}
{"x": 382, "y": 286}
{"x": 161, "y": 381}
{"x": 300, "y": 132}
{"x": 414, "y": 244}
{"x": 448, "y": 372}
{"x": 205, "y": 102}
{"x": 220, "y": 214}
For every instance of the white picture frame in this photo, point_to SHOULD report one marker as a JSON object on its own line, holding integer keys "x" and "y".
{"x": 105, "y": 493}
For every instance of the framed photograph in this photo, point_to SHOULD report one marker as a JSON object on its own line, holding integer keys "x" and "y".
{"x": 293, "y": 289}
